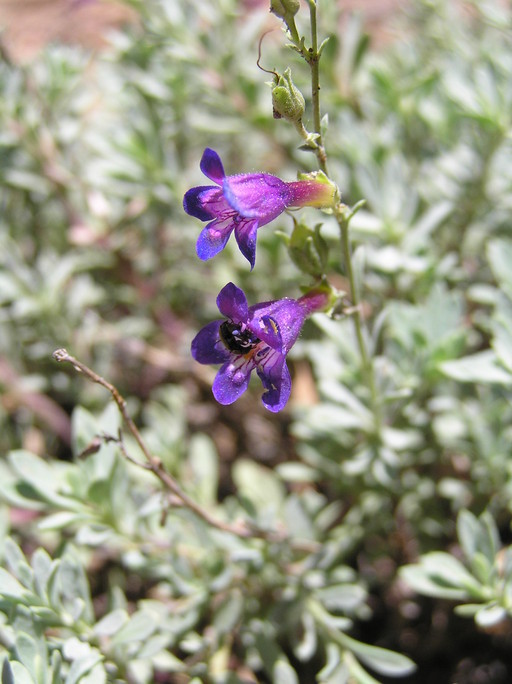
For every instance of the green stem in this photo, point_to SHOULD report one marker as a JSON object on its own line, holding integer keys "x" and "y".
{"x": 313, "y": 59}
{"x": 294, "y": 34}
{"x": 342, "y": 212}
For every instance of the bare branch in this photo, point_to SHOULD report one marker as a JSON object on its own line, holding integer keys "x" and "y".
{"x": 153, "y": 463}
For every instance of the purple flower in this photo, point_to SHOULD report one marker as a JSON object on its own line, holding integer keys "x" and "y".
{"x": 253, "y": 338}
{"x": 245, "y": 202}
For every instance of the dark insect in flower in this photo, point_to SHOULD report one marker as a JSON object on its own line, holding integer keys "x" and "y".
{"x": 236, "y": 340}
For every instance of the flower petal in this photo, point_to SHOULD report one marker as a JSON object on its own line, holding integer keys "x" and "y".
{"x": 211, "y": 166}
{"x": 213, "y": 238}
{"x": 277, "y": 382}
{"x": 288, "y": 314}
{"x": 207, "y": 346}
{"x": 196, "y": 200}
{"x": 245, "y": 234}
{"x": 232, "y": 380}
{"x": 256, "y": 195}
{"x": 232, "y": 303}
{"x": 266, "y": 329}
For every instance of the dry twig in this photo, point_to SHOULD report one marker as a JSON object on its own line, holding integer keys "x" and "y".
{"x": 155, "y": 465}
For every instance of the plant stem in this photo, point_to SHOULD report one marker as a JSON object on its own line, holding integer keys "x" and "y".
{"x": 343, "y": 216}
{"x": 313, "y": 59}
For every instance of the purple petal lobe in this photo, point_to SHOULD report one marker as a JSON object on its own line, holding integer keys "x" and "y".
{"x": 232, "y": 380}
{"x": 196, "y": 201}
{"x": 207, "y": 347}
{"x": 266, "y": 329}
{"x": 289, "y": 315}
{"x": 277, "y": 383}
{"x": 256, "y": 195}
{"x": 245, "y": 234}
{"x": 213, "y": 238}
{"x": 232, "y": 303}
{"x": 211, "y": 166}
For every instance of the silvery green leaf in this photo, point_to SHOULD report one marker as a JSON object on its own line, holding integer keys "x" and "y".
{"x": 499, "y": 253}
{"x": 491, "y": 615}
{"x": 7, "y": 674}
{"x": 111, "y": 623}
{"x": 385, "y": 662}
{"x": 17, "y": 564}
{"x": 43, "y": 567}
{"x": 284, "y": 673}
{"x": 442, "y": 575}
{"x": 139, "y": 627}
{"x": 297, "y": 519}
{"x": 32, "y": 653}
{"x": 480, "y": 367}
{"x": 21, "y": 674}
{"x": 341, "y": 597}
{"x": 203, "y": 461}
{"x": 96, "y": 675}
{"x": 229, "y": 613}
{"x": 82, "y": 666}
{"x": 306, "y": 648}
{"x": 10, "y": 588}
{"x": 258, "y": 484}
{"x": 43, "y": 478}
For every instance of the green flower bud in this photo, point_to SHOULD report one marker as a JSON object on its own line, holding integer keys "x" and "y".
{"x": 308, "y": 250}
{"x": 287, "y": 100}
{"x": 284, "y": 8}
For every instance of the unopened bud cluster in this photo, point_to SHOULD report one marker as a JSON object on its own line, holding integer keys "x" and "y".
{"x": 284, "y": 9}
{"x": 287, "y": 100}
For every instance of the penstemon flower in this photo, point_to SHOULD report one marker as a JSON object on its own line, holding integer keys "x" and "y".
{"x": 254, "y": 338}
{"x": 245, "y": 202}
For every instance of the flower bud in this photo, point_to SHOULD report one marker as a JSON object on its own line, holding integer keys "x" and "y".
{"x": 287, "y": 100}
{"x": 284, "y": 9}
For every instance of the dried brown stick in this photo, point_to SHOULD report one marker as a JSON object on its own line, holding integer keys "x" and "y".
{"x": 156, "y": 466}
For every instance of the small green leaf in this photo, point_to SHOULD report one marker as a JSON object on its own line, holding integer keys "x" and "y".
{"x": 383, "y": 661}
{"x": 10, "y": 587}
{"x": 82, "y": 666}
{"x": 229, "y": 613}
{"x": 259, "y": 485}
{"x": 140, "y": 626}
{"x": 30, "y": 653}
{"x": 284, "y": 673}
{"x": 43, "y": 567}
{"x": 7, "y": 675}
{"x": 447, "y": 575}
{"x": 343, "y": 598}
{"x": 499, "y": 253}
{"x": 491, "y": 615}
{"x": 203, "y": 461}
{"x": 17, "y": 564}
{"x": 111, "y": 623}
{"x": 479, "y": 540}
{"x": 21, "y": 674}
{"x": 480, "y": 367}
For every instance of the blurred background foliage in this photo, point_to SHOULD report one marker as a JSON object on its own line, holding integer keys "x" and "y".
{"x": 102, "y": 578}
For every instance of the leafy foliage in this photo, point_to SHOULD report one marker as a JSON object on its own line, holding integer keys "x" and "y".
{"x": 359, "y": 494}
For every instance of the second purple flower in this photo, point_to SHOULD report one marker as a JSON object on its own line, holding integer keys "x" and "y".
{"x": 245, "y": 202}
{"x": 256, "y": 338}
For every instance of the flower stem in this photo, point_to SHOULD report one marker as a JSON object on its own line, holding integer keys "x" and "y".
{"x": 313, "y": 59}
{"x": 343, "y": 216}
